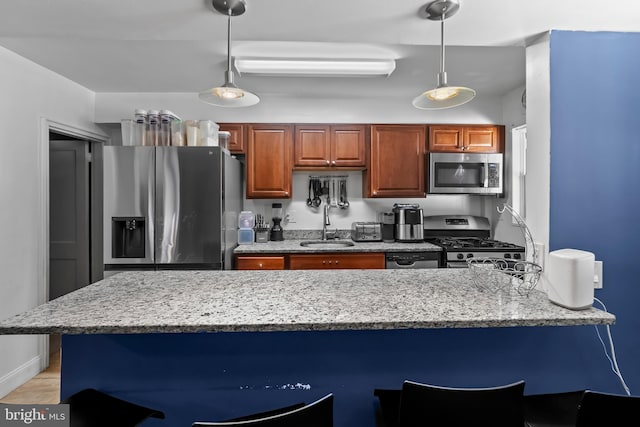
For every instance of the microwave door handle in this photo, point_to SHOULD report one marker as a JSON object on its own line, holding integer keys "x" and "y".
{"x": 485, "y": 175}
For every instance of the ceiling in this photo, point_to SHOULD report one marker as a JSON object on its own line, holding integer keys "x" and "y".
{"x": 180, "y": 45}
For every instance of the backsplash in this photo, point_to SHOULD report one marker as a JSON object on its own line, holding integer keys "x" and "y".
{"x": 299, "y": 216}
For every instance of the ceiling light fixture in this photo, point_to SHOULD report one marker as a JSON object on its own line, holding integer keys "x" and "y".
{"x": 443, "y": 96}
{"x": 315, "y": 67}
{"x": 229, "y": 95}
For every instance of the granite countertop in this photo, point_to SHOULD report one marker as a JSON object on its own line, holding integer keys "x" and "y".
{"x": 293, "y": 238}
{"x": 300, "y": 300}
{"x": 293, "y": 246}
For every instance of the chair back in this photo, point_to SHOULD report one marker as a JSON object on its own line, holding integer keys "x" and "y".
{"x": 598, "y": 409}
{"x": 316, "y": 414}
{"x": 423, "y": 405}
{"x": 93, "y": 408}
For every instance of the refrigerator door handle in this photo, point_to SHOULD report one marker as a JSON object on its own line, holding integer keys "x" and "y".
{"x": 167, "y": 204}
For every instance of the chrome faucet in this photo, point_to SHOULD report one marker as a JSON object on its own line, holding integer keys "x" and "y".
{"x": 326, "y": 222}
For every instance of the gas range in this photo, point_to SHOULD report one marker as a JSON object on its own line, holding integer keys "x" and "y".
{"x": 467, "y": 236}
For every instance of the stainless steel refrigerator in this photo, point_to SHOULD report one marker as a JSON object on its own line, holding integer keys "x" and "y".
{"x": 170, "y": 207}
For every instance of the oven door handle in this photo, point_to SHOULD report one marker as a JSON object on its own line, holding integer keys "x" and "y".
{"x": 457, "y": 265}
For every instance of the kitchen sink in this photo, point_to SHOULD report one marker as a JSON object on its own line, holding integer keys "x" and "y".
{"x": 326, "y": 244}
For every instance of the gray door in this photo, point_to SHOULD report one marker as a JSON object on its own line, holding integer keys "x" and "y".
{"x": 69, "y": 253}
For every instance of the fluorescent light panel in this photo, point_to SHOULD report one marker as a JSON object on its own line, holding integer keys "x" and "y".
{"x": 315, "y": 67}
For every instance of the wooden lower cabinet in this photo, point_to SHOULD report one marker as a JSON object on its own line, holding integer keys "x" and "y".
{"x": 336, "y": 261}
{"x": 274, "y": 262}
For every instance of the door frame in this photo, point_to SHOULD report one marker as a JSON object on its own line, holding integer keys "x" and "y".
{"x": 47, "y": 126}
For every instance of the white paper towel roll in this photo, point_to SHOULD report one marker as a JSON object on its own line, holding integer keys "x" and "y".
{"x": 570, "y": 274}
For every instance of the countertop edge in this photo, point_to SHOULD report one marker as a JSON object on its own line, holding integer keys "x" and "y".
{"x": 452, "y": 324}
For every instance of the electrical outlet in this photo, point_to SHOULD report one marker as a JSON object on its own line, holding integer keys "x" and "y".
{"x": 540, "y": 253}
{"x": 290, "y": 217}
{"x": 597, "y": 276}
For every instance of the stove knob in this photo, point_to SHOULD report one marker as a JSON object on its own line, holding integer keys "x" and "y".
{"x": 469, "y": 255}
{"x": 516, "y": 256}
{"x": 460, "y": 256}
{"x": 507, "y": 255}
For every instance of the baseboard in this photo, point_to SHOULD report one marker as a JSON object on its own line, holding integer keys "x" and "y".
{"x": 19, "y": 376}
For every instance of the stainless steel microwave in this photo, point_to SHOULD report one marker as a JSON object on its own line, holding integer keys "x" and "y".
{"x": 466, "y": 173}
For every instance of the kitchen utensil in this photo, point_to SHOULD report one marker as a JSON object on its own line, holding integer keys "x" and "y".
{"x": 309, "y": 200}
{"x": 317, "y": 192}
{"x": 333, "y": 200}
{"x": 343, "y": 203}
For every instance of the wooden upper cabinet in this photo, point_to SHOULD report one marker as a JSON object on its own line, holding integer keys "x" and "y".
{"x": 237, "y": 141}
{"x": 323, "y": 146}
{"x": 466, "y": 138}
{"x": 347, "y": 145}
{"x": 396, "y": 163}
{"x": 269, "y": 161}
{"x": 312, "y": 145}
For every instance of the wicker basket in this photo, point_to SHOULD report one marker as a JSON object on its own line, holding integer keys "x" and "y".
{"x": 504, "y": 275}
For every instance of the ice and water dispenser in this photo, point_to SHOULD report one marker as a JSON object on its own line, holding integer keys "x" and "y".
{"x": 128, "y": 236}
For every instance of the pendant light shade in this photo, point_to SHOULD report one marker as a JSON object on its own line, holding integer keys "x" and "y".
{"x": 228, "y": 94}
{"x": 443, "y": 96}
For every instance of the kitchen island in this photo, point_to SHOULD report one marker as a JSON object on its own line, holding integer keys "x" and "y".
{"x": 210, "y": 345}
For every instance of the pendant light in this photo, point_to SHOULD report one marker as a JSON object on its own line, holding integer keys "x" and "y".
{"x": 443, "y": 96}
{"x": 229, "y": 95}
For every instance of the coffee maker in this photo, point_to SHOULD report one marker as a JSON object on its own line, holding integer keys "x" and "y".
{"x": 409, "y": 222}
{"x": 387, "y": 219}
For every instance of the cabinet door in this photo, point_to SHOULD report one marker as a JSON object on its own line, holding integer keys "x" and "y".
{"x": 445, "y": 138}
{"x": 336, "y": 261}
{"x": 269, "y": 161}
{"x": 466, "y": 138}
{"x": 311, "y": 146}
{"x": 397, "y": 161}
{"x": 237, "y": 140}
{"x": 347, "y": 145}
{"x": 251, "y": 262}
{"x": 482, "y": 139}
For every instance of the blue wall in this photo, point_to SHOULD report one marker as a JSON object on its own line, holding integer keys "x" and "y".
{"x": 595, "y": 170}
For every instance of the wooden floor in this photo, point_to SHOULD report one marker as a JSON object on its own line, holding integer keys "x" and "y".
{"x": 42, "y": 389}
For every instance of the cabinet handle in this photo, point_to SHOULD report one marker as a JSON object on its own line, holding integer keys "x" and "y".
{"x": 333, "y": 162}
{"x": 260, "y": 265}
{"x": 324, "y": 262}
{"x": 336, "y": 261}
{"x": 329, "y": 261}
{"x": 286, "y": 193}
{"x": 328, "y": 162}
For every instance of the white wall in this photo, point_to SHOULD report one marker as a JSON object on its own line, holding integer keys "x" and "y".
{"x": 29, "y": 93}
{"x": 538, "y": 141}
{"x": 112, "y": 107}
{"x": 514, "y": 115}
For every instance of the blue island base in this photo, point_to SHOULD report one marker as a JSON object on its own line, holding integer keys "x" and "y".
{"x": 216, "y": 376}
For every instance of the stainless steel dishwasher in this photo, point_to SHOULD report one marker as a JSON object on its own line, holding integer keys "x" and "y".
{"x": 409, "y": 260}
